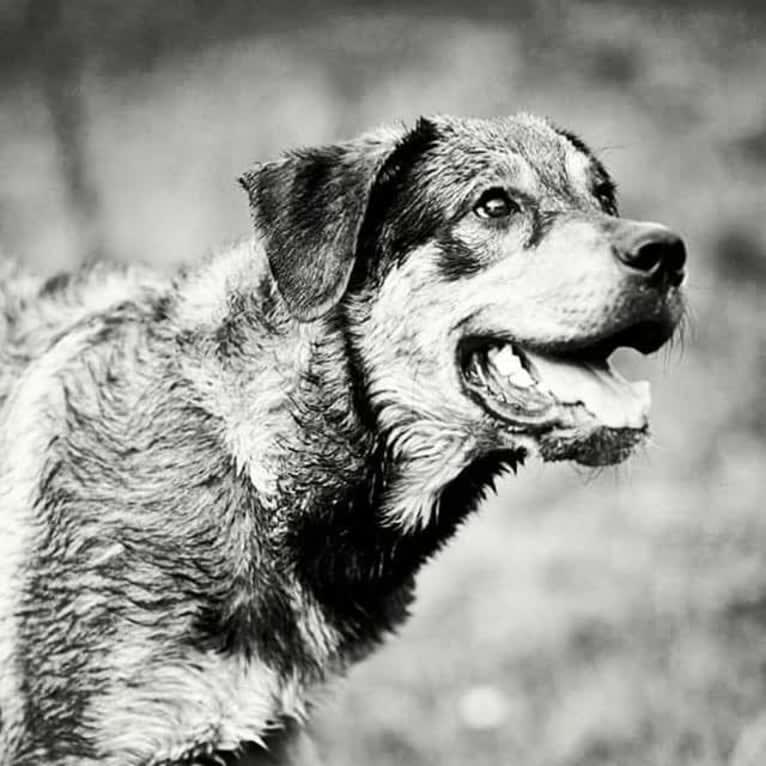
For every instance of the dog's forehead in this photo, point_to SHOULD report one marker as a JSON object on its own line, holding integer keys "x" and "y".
{"x": 519, "y": 133}
{"x": 527, "y": 147}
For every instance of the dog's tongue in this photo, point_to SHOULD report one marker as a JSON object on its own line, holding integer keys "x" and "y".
{"x": 615, "y": 402}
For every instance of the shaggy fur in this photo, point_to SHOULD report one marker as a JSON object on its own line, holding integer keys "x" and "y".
{"x": 216, "y": 492}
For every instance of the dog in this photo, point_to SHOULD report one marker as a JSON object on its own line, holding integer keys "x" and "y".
{"x": 217, "y": 491}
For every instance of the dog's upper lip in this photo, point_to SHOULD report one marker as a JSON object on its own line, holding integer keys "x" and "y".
{"x": 646, "y": 336}
{"x": 645, "y": 323}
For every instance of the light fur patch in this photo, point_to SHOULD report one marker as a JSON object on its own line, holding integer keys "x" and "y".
{"x": 256, "y": 411}
{"x": 578, "y": 167}
{"x": 414, "y": 386}
{"x": 415, "y": 500}
{"x": 165, "y": 712}
{"x": 204, "y": 297}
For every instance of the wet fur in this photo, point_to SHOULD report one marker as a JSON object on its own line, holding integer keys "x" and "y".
{"x": 212, "y": 500}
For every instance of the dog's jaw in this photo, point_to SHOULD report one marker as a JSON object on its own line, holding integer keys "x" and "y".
{"x": 569, "y": 409}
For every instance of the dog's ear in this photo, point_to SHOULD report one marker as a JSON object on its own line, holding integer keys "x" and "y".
{"x": 309, "y": 208}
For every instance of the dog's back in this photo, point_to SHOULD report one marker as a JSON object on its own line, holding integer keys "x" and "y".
{"x": 35, "y": 312}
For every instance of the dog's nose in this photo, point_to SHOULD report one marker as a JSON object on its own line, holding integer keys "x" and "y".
{"x": 653, "y": 250}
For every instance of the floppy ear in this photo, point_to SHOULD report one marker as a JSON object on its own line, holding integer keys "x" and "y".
{"x": 309, "y": 208}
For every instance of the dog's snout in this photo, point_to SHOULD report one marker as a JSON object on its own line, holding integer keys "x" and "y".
{"x": 653, "y": 250}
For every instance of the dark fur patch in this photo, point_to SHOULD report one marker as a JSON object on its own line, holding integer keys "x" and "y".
{"x": 161, "y": 308}
{"x": 456, "y": 260}
{"x": 277, "y": 749}
{"x": 400, "y": 216}
{"x": 56, "y": 283}
{"x": 542, "y": 223}
{"x": 252, "y": 616}
{"x": 361, "y": 569}
{"x": 605, "y": 446}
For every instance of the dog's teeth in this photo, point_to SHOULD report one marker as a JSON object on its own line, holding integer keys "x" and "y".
{"x": 476, "y": 369}
{"x": 505, "y": 361}
{"x": 479, "y": 374}
{"x": 521, "y": 378}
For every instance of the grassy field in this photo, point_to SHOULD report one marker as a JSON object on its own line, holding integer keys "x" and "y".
{"x": 580, "y": 619}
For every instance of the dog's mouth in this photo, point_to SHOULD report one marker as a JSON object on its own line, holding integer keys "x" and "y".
{"x": 576, "y": 404}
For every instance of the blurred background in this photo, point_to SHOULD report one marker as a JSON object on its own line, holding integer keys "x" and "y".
{"x": 580, "y": 619}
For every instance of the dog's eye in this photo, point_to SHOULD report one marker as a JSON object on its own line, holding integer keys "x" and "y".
{"x": 495, "y": 203}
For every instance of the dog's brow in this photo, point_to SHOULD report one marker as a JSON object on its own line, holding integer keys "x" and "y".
{"x": 524, "y": 174}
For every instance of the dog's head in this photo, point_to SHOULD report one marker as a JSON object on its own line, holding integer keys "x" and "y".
{"x": 488, "y": 278}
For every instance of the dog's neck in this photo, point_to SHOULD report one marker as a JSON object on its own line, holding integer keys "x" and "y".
{"x": 252, "y": 365}
{"x": 291, "y": 400}
{"x": 286, "y": 392}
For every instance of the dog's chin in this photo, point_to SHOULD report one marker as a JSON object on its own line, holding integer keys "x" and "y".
{"x": 569, "y": 408}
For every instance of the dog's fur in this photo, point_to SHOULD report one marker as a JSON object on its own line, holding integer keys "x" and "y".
{"x": 216, "y": 492}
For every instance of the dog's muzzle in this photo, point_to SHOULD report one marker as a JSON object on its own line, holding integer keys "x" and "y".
{"x": 565, "y": 389}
